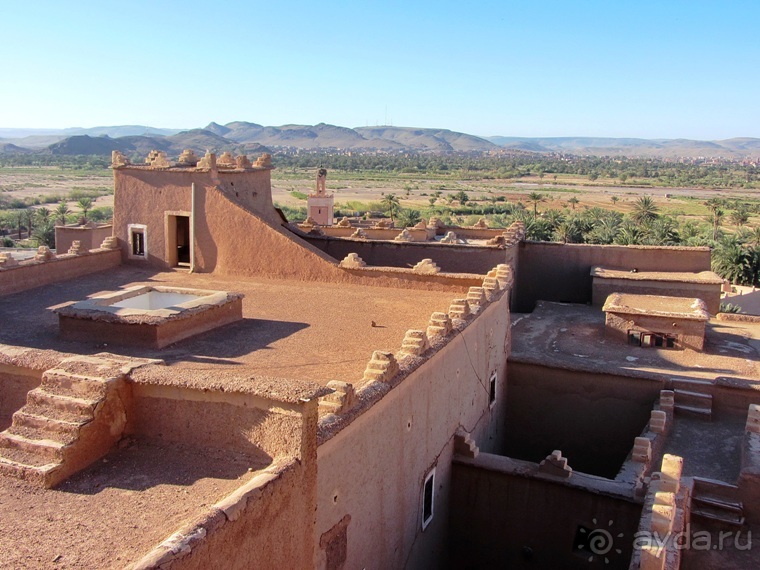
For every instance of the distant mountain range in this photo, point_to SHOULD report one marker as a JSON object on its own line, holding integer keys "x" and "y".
{"x": 241, "y": 136}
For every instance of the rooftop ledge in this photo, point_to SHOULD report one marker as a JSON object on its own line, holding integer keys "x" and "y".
{"x": 705, "y": 277}
{"x": 657, "y": 306}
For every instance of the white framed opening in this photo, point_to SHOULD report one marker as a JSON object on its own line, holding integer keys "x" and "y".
{"x": 138, "y": 241}
{"x": 492, "y": 389}
{"x": 428, "y": 498}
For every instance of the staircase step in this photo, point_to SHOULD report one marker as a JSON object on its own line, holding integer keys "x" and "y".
{"x": 63, "y": 383}
{"x": 718, "y": 514}
{"x": 23, "y": 419}
{"x": 52, "y": 450}
{"x": 35, "y": 433}
{"x": 695, "y": 395}
{"x": 26, "y": 458}
{"x": 695, "y": 410}
{"x": 69, "y": 405}
{"x": 720, "y": 503}
{"x": 20, "y": 470}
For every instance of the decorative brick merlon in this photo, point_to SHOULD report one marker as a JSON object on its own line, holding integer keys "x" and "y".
{"x": 352, "y": 261}
{"x": 110, "y": 243}
{"x": 439, "y": 325}
{"x": 476, "y": 298}
{"x": 264, "y": 161}
{"x": 504, "y": 275}
{"x": 242, "y": 161}
{"x": 459, "y": 309}
{"x": 426, "y": 267}
{"x": 668, "y": 479}
{"x": 44, "y": 254}
{"x": 657, "y": 421}
{"x": 464, "y": 444}
{"x": 157, "y": 159}
{"x": 667, "y": 400}
{"x": 450, "y": 237}
{"x": 555, "y": 465}
{"x": 490, "y": 287}
{"x": 7, "y": 260}
{"x": 642, "y": 450}
{"x": 339, "y": 401}
{"x": 382, "y": 367}
{"x": 188, "y": 158}
{"x": 415, "y": 343}
{"x": 76, "y": 248}
{"x": 404, "y": 236}
{"x": 118, "y": 160}
{"x": 359, "y": 234}
{"x": 753, "y": 419}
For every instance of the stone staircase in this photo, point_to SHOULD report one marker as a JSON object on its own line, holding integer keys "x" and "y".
{"x": 691, "y": 397}
{"x": 718, "y": 502}
{"x": 73, "y": 418}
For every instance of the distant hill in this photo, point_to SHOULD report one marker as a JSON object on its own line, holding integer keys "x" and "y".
{"x": 243, "y": 136}
{"x": 633, "y": 147}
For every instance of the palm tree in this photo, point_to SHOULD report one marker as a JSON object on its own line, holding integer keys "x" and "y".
{"x": 535, "y": 197}
{"x": 85, "y": 204}
{"x": 61, "y": 212}
{"x": 733, "y": 262}
{"x": 614, "y": 199}
{"x": 408, "y": 217}
{"x": 391, "y": 204}
{"x": 644, "y": 210}
{"x": 44, "y": 234}
{"x": 43, "y": 214}
{"x": 29, "y": 215}
{"x": 716, "y": 214}
{"x": 573, "y": 201}
{"x": 739, "y": 217}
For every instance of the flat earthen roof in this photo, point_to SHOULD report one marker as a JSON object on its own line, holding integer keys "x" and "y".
{"x": 309, "y": 332}
{"x": 657, "y": 306}
{"x": 573, "y": 337}
{"x": 705, "y": 277}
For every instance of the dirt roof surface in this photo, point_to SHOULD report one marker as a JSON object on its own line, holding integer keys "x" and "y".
{"x": 678, "y": 276}
{"x": 573, "y": 337}
{"x": 117, "y": 510}
{"x": 657, "y": 306}
{"x": 311, "y": 331}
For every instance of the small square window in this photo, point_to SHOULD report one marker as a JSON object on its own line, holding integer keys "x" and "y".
{"x": 428, "y": 499}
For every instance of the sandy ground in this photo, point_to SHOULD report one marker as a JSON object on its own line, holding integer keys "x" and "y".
{"x": 290, "y": 329}
{"x": 117, "y": 510}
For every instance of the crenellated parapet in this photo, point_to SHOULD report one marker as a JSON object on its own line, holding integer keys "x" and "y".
{"x": 159, "y": 160}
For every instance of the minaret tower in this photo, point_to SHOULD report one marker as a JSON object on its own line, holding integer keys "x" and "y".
{"x": 320, "y": 203}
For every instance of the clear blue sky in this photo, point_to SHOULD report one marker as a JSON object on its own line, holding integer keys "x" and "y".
{"x": 653, "y": 69}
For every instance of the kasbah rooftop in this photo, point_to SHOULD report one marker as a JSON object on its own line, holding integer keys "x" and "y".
{"x": 203, "y": 384}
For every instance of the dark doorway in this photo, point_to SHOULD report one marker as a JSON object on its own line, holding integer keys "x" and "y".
{"x": 183, "y": 240}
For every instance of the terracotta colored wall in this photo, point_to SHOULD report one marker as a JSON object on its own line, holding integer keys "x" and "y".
{"x": 89, "y": 238}
{"x": 235, "y": 421}
{"x": 690, "y": 334}
{"x": 495, "y": 515}
{"x": 14, "y": 385}
{"x": 710, "y": 294}
{"x": 273, "y": 530}
{"x": 62, "y": 268}
{"x": 450, "y": 258}
{"x": 562, "y": 272}
{"x": 592, "y": 418}
{"x": 374, "y": 469}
